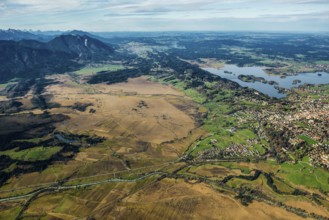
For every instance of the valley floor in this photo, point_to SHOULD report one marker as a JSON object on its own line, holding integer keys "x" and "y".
{"x": 143, "y": 167}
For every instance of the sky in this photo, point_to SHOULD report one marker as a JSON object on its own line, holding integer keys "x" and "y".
{"x": 166, "y": 15}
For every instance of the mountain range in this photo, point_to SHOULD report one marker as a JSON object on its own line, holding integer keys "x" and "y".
{"x": 17, "y": 35}
{"x": 29, "y": 57}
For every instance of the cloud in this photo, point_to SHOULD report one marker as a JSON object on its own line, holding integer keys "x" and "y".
{"x": 313, "y": 2}
{"x": 39, "y": 5}
{"x": 296, "y": 17}
{"x": 105, "y": 15}
{"x": 173, "y": 8}
{"x": 2, "y": 6}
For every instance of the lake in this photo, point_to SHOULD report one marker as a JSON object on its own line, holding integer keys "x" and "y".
{"x": 310, "y": 78}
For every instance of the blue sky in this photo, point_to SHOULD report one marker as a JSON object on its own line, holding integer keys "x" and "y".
{"x": 166, "y": 15}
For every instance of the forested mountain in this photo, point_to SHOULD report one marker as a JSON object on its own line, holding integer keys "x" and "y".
{"x": 64, "y": 53}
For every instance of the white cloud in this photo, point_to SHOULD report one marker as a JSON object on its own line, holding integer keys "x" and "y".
{"x": 156, "y": 14}
{"x": 47, "y": 5}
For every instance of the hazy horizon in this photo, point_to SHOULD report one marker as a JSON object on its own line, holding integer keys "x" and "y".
{"x": 178, "y": 15}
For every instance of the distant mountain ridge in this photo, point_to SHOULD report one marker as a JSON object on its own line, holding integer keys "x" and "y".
{"x": 17, "y": 35}
{"x": 31, "y": 58}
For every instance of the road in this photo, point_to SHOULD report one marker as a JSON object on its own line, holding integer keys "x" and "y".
{"x": 48, "y": 186}
{"x": 112, "y": 180}
{"x": 88, "y": 177}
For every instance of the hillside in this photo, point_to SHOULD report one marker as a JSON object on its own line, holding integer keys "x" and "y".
{"x": 30, "y": 58}
{"x": 84, "y": 47}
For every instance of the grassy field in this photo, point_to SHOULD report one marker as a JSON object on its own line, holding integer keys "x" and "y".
{"x": 10, "y": 212}
{"x": 282, "y": 186}
{"x": 165, "y": 199}
{"x": 97, "y": 68}
{"x": 233, "y": 165}
{"x": 118, "y": 109}
{"x": 181, "y": 86}
{"x": 213, "y": 171}
{"x": 32, "y": 154}
{"x": 305, "y": 175}
{"x": 300, "y": 174}
{"x": 34, "y": 140}
{"x": 143, "y": 121}
{"x": 207, "y": 62}
{"x": 4, "y": 85}
{"x": 307, "y": 139}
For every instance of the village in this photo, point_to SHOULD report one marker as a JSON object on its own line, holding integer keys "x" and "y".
{"x": 303, "y": 122}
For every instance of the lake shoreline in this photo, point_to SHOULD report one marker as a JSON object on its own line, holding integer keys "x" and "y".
{"x": 269, "y": 84}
